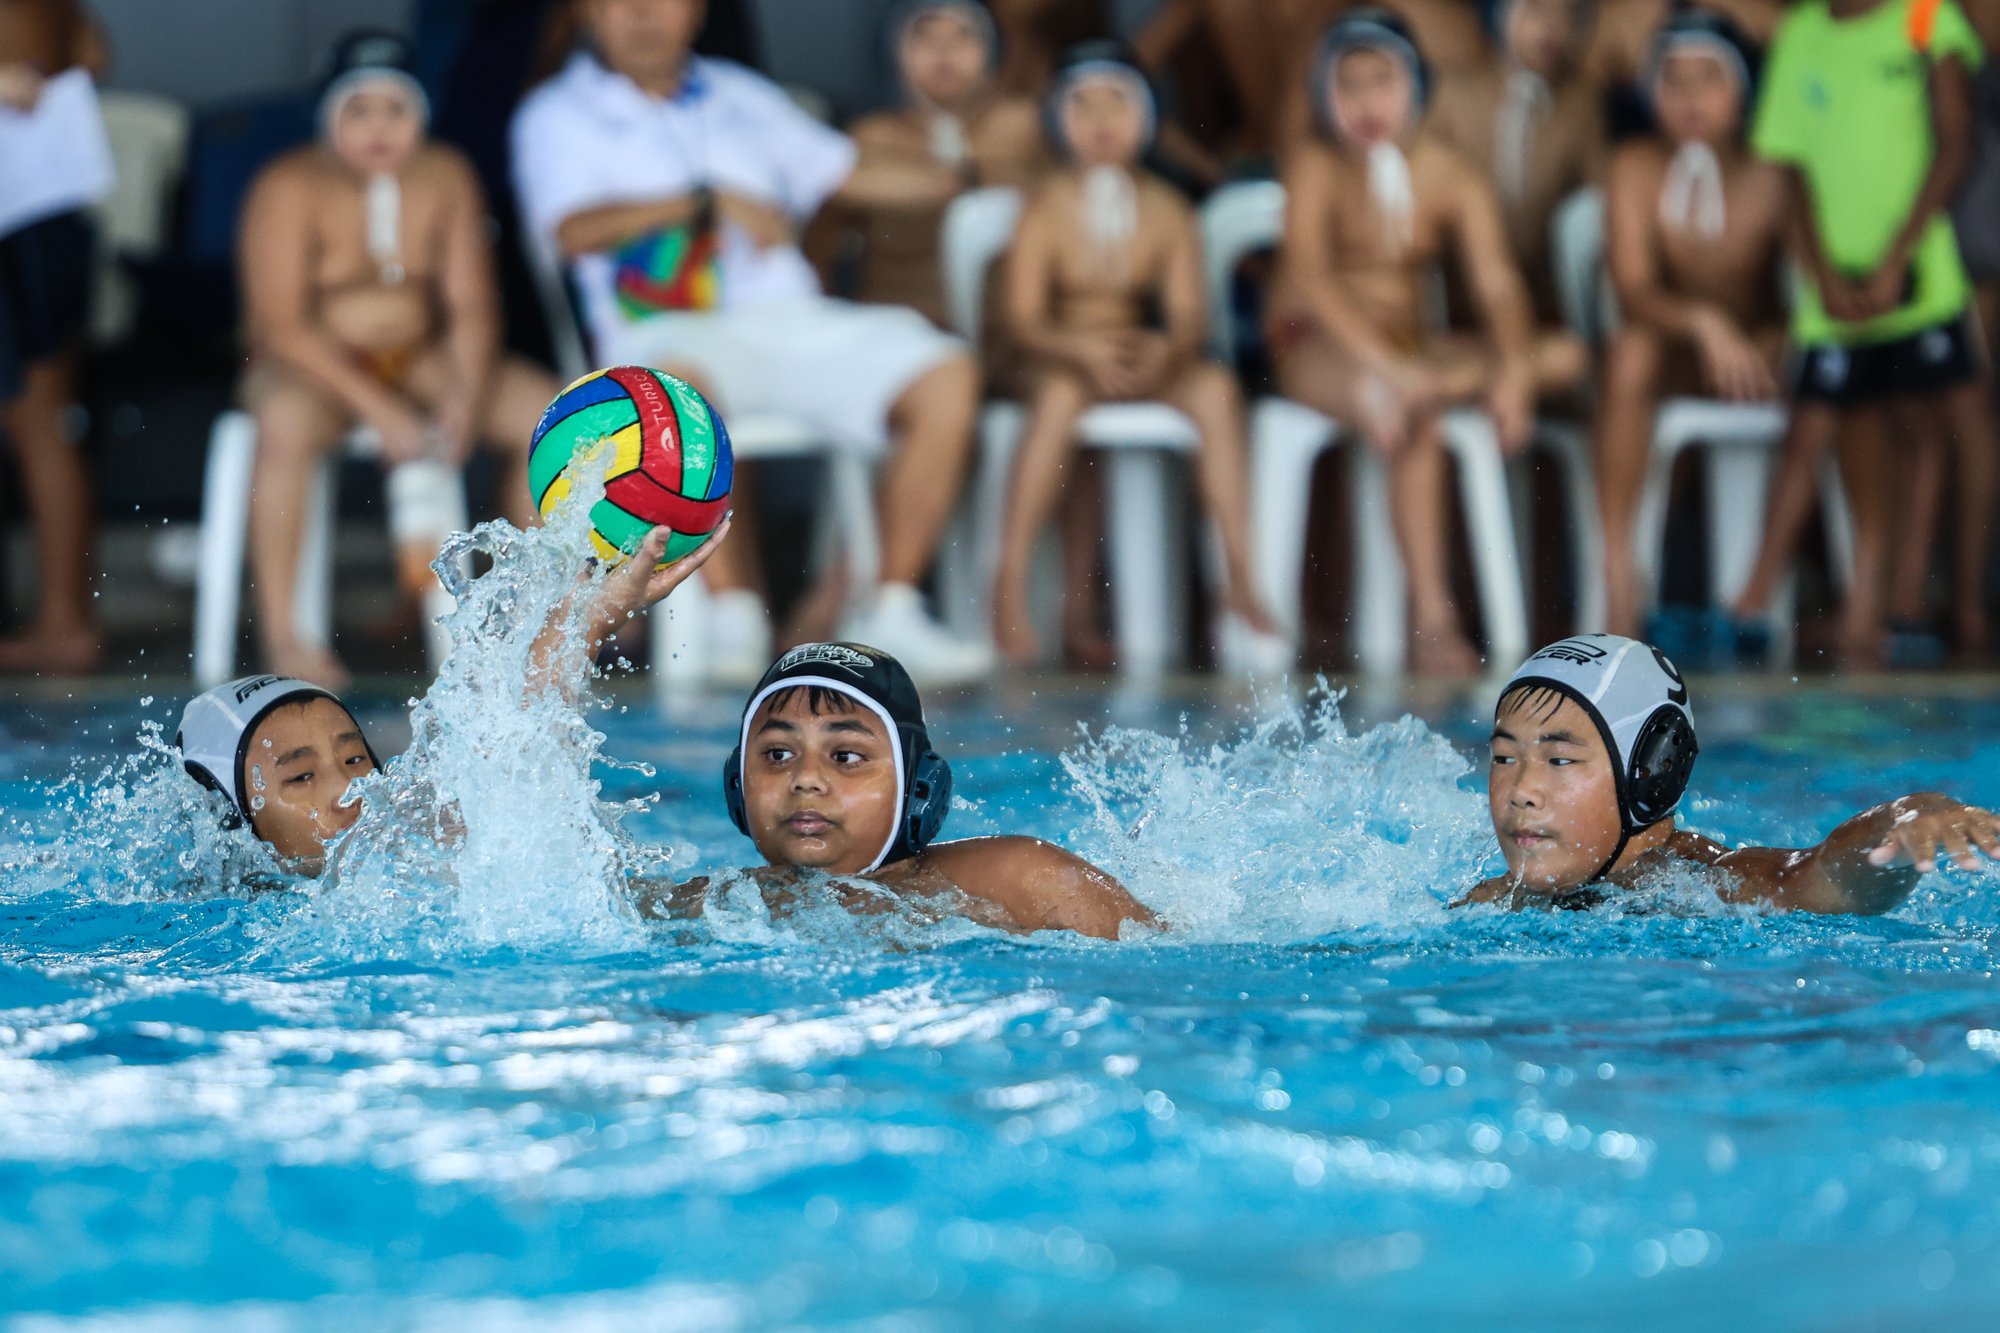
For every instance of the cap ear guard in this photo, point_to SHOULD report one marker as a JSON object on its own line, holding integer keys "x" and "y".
{"x": 1661, "y": 766}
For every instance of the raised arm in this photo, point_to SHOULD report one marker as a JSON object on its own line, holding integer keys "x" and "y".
{"x": 1870, "y": 863}
{"x": 275, "y": 255}
{"x": 628, "y": 590}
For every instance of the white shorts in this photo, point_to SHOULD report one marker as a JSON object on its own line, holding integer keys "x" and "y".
{"x": 835, "y": 365}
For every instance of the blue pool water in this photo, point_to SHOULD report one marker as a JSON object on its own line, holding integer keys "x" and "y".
{"x": 1322, "y": 1101}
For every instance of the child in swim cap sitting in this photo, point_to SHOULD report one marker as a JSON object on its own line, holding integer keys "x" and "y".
{"x": 834, "y": 772}
{"x": 1593, "y": 745}
{"x": 283, "y": 752}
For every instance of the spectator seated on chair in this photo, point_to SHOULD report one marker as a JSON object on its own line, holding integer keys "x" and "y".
{"x": 956, "y": 132}
{"x": 1448, "y": 32}
{"x": 1694, "y": 242}
{"x": 1528, "y": 116}
{"x": 370, "y": 300}
{"x": 50, "y": 55}
{"x": 677, "y": 185}
{"x": 1105, "y": 295}
{"x": 1373, "y": 205}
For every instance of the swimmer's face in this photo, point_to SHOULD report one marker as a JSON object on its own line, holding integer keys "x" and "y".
{"x": 1372, "y": 97}
{"x": 377, "y": 128}
{"x": 296, "y": 768}
{"x": 1542, "y": 35}
{"x": 1103, "y": 124}
{"x": 1698, "y": 98}
{"x": 1553, "y": 793}
{"x": 645, "y": 40}
{"x": 943, "y": 56}
{"x": 819, "y": 788}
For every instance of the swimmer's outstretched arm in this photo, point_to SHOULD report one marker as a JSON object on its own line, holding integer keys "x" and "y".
{"x": 1870, "y": 863}
{"x": 625, "y": 592}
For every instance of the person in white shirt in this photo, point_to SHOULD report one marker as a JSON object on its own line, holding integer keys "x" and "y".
{"x": 676, "y": 186}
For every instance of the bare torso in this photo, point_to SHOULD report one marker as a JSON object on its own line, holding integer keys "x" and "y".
{"x": 1089, "y": 290}
{"x": 1737, "y": 270}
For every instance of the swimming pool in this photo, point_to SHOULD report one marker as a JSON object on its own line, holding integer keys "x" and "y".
{"x": 1322, "y": 1102}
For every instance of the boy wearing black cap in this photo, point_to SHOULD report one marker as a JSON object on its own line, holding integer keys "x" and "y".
{"x": 1373, "y": 206}
{"x": 370, "y": 299}
{"x": 1593, "y": 746}
{"x": 1694, "y": 245}
{"x": 834, "y": 772}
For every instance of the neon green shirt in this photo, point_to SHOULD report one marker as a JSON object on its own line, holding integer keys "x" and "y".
{"x": 1847, "y": 102}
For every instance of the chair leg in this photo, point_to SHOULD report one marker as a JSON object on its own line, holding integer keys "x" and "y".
{"x": 1649, "y": 528}
{"x": 1284, "y": 446}
{"x": 1739, "y": 480}
{"x": 1000, "y": 426}
{"x": 678, "y": 633}
{"x": 312, "y": 618}
{"x": 1496, "y": 554}
{"x": 852, "y": 483}
{"x": 225, "y": 517}
{"x": 1142, "y": 568}
{"x": 1572, "y": 452}
{"x": 1381, "y": 599}
{"x": 1839, "y": 521}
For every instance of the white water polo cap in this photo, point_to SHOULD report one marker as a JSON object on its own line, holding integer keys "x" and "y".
{"x": 1640, "y": 705}
{"x": 216, "y": 727}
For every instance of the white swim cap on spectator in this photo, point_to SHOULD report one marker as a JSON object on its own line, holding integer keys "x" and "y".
{"x": 361, "y": 58}
{"x": 1367, "y": 29}
{"x": 1704, "y": 32}
{"x": 1100, "y": 62}
{"x": 1638, "y": 701}
{"x": 978, "y": 16}
{"x": 216, "y": 726}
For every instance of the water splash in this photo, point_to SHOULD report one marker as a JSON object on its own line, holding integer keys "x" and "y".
{"x": 490, "y": 830}
{"x": 1296, "y": 828}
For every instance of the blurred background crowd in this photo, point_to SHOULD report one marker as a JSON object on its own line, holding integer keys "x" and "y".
{"x": 1315, "y": 332}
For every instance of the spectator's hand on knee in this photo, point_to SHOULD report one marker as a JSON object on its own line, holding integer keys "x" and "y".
{"x": 1512, "y": 405}
{"x": 406, "y": 437}
{"x": 21, "y": 86}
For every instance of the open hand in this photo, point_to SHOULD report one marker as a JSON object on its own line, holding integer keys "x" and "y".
{"x": 1927, "y": 822}
{"x": 640, "y": 582}
{"x": 1732, "y": 365}
{"x": 1512, "y": 404}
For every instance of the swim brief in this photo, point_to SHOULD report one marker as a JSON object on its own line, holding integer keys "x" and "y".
{"x": 1927, "y": 361}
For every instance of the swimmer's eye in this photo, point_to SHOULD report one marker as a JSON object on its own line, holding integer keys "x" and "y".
{"x": 1559, "y": 762}
{"x": 1503, "y": 758}
{"x": 777, "y": 754}
{"x": 849, "y": 758}
{"x": 298, "y": 779}
{"x": 354, "y": 759}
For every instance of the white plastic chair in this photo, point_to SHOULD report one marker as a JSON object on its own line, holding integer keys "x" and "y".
{"x": 149, "y": 138}
{"x": 679, "y": 630}
{"x": 1741, "y": 438}
{"x": 1286, "y": 439}
{"x": 1148, "y": 593}
{"x": 421, "y": 497}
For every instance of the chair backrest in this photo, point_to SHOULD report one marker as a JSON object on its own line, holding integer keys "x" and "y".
{"x": 1576, "y": 240}
{"x": 566, "y": 336}
{"x": 977, "y": 227}
{"x": 1236, "y": 222}
{"x": 149, "y": 147}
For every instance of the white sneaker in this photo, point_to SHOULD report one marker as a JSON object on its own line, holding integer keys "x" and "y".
{"x": 1249, "y": 654}
{"x": 899, "y": 624}
{"x": 739, "y": 638}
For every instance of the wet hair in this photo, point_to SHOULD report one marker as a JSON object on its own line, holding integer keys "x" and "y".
{"x": 1538, "y": 700}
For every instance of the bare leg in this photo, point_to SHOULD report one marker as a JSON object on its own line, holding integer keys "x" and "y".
{"x": 1086, "y": 645}
{"x": 1044, "y": 453}
{"x": 296, "y": 426}
{"x": 1794, "y": 493}
{"x": 1438, "y": 646}
{"x": 932, "y": 424}
{"x": 1914, "y": 435}
{"x": 1968, "y": 410}
{"x": 1209, "y": 394}
{"x": 1869, "y": 471}
{"x": 64, "y": 638}
{"x": 1624, "y": 440}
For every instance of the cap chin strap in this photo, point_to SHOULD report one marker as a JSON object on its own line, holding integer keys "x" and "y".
{"x": 846, "y": 691}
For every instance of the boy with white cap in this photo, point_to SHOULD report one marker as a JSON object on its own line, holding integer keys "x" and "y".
{"x": 1105, "y": 296}
{"x": 1593, "y": 746}
{"x": 1373, "y": 206}
{"x": 370, "y": 300}
{"x": 1695, "y": 233}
